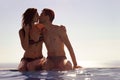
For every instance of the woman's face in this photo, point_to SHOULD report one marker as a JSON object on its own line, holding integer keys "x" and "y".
{"x": 36, "y": 17}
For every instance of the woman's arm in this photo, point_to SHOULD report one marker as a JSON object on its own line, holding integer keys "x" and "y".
{"x": 24, "y": 37}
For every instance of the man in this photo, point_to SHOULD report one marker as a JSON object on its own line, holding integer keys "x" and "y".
{"x": 55, "y": 37}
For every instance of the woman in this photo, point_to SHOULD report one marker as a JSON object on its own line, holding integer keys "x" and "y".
{"x": 31, "y": 41}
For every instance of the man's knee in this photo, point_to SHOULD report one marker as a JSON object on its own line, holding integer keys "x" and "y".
{"x": 68, "y": 65}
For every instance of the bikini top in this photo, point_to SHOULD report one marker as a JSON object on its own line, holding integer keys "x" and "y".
{"x": 34, "y": 42}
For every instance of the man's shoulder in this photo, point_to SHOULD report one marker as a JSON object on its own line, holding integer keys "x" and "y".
{"x": 60, "y": 28}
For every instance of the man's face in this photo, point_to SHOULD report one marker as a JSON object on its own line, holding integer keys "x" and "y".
{"x": 42, "y": 17}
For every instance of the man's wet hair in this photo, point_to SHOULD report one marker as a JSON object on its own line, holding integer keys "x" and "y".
{"x": 50, "y": 13}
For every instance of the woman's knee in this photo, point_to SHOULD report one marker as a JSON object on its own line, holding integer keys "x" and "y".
{"x": 22, "y": 66}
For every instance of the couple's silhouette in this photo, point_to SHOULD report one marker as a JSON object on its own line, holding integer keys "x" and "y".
{"x": 38, "y": 29}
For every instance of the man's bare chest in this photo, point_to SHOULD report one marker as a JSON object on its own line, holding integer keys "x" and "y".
{"x": 51, "y": 36}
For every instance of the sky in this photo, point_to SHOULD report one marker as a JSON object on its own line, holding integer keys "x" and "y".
{"x": 93, "y": 28}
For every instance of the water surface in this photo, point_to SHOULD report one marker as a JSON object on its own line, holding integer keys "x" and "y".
{"x": 80, "y": 74}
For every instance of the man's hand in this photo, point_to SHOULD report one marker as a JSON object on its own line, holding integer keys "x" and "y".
{"x": 75, "y": 67}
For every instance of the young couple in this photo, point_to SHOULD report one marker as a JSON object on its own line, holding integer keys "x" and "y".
{"x": 38, "y": 29}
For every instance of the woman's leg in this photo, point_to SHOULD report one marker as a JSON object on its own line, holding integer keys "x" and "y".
{"x": 23, "y": 65}
{"x": 36, "y": 64}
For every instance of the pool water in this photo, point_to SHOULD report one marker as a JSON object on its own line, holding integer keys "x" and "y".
{"x": 79, "y": 74}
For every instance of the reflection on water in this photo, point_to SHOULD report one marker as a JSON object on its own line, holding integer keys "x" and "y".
{"x": 100, "y": 64}
{"x": 80, "y": 74}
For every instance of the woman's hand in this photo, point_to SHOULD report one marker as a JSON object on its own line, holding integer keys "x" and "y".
{"x": 26, "y": 28}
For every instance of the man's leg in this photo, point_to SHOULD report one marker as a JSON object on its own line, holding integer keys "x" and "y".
{"x": 65, "y": 65}
{"x": 68, "y": 65}
{"x": 48, "y": 65}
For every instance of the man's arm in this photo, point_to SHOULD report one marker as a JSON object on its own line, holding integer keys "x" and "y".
{"x": 65, "y": 39}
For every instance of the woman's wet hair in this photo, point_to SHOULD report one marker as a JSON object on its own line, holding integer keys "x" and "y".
{"x": 28, "y": 16}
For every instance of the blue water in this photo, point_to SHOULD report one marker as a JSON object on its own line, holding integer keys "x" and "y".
{"x": 80, "y": 74}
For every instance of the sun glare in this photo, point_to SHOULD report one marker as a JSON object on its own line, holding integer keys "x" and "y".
{"x": 90, "y": 64}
